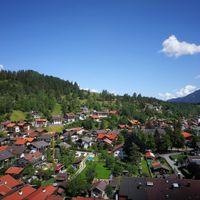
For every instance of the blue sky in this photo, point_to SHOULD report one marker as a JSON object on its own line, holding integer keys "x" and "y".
{"x": 123, "y": 46}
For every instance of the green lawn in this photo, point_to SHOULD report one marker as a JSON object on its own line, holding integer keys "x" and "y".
{"x": 101, "y": 171}
{"x": 49, "y": 182}
{"x": 54, "y": 128}
{"x": 145, "y": 169}
{"x": 178, "y": 157}
{"x": 17, "y": 115}
{"x": 57, "y": 110}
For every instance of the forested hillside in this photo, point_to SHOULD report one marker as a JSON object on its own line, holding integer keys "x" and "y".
{"x": 29, "y": 90}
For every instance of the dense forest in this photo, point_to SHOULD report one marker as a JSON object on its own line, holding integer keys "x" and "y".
{"x": 30, "y": 90}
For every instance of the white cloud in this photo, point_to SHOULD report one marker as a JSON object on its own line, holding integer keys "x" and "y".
{"x": 1, "y": 67}
{"x": 173, "y": 47}
{"x": 91, "y": 90}
{"x": 188, "y": 89}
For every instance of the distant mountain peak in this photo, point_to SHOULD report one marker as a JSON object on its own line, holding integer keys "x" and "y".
{"x": 190, "y": 98}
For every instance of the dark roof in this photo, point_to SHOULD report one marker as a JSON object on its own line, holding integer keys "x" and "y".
{"x": 17, "y": 150}
{"x": 159, "y": 189}
{"x": 40, "y": 144}
{"x": 100, "y": 185}
{"x": 86, "y": 139}
{"x": 3, "y": 139}
{"x": 61, "y": 176}
{"x": 5, "y": 155}
{"x": 194, "y": 159}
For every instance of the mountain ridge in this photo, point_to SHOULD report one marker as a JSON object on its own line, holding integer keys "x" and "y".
{"x": 190, "y": 98}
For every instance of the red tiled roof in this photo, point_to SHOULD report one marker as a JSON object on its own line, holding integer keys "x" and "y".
{"x": 42, "y": 193}
{"x": 21, "y": 141}
{"x": 29, "y": 139}
{"x": 3, "y": 148}
{"x": 55, "y": 197}
{"x": 11, "y": 125}
{"x": 155, "y": 164}
{"x": 9, "y": 181}
{"x": 186, "y": 134}
{"x": 106, "y": 140}
{"x": 94, "y": 116}
{"x": 14, "y": 170}
{"x": 101, "y": 136}
{"x": 4, "y": 190}
{"x": 111, "y": 136}
{"x": 149, "y": 154}
{"x": 59, "y": 167}
{"x": 76, "y": 129}
{"x": 134, "y": 122}
{"x": 21, "y": 194}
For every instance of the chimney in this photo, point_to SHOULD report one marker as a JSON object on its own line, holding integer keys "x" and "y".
{"x": 188, "y": 184}
{"x": 43, "y": 190}
{"x": 139, "y": 185}
{"x": 20, "y": 192}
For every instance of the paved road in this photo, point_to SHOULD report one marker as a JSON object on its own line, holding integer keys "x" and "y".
{"x": 172, "y": 163}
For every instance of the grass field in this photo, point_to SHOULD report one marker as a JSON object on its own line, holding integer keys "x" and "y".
{"x": 55, "y": 128}
{"x": 178, "y": 157}
{"x": 57, "y": 110}
{"x": 17, "y": 115}
{"x": 101, "y": 171}
{"x": 145, "y": 169}
{"x": 49, "y": 182}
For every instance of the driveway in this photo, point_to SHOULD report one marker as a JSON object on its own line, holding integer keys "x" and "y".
{"x": 172, "y": 163}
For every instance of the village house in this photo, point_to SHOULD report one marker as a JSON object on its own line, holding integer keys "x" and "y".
{"x": 24, "y": 126}
{"x": 57, "y": 120}
{"x": 101, "y": 114}
{"x": 85, "y": 142}
{"x": 14, "y": 171}
{"x": 158, "y": 169}
{"x": 39, "y": 146}
{"x": 149, "y": 155}
{"x": 8, "y": 184}
{"x": 45, "y": 137}
{"x": 4, "y": 141}
{"x": 17, "y": 151}
{"x": 70, "y": 117}
{"x": 119, "y": 152}
{"x": 78, "y": 163}
{"x": 156, "y": 188}
{"x": 35, "y": 115}
{"x": 98, "y": 189}
{"x": 24, "y": 141}
{"x": 134, "y": 123}
{"x": 187, "y": 136}
{"x": 107, "y": 138}
{"x": 33, "y": 158}
{"x": 6, "y": 158}
{"x": 40, "y": 122}
{"x": 12, "y": 128}
{"x": 21, "y": 193}
{"x": 43, "y": 193}
{"x": 193, "y": 160}
{"x": 3, "y": 125}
